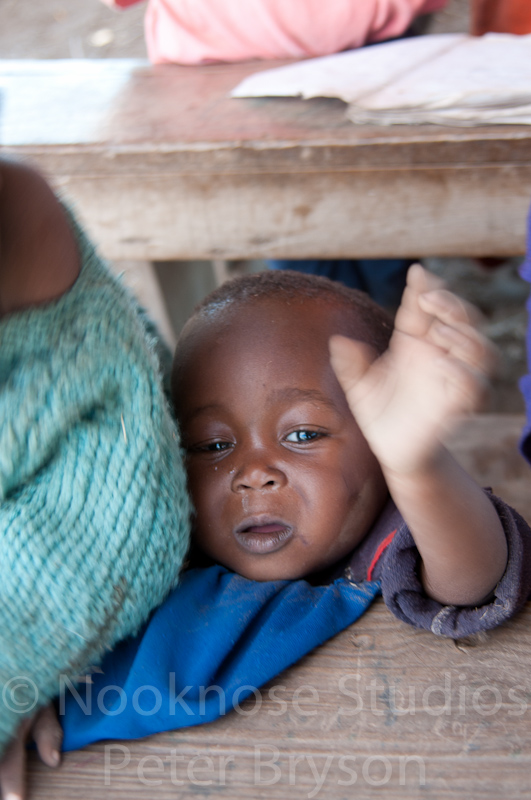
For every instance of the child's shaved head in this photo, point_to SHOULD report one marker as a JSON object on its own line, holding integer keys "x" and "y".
{"x": 369, "y": 321}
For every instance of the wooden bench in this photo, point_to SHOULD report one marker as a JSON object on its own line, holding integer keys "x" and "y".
{"x": 162, "y": 164}
{"x": 404, "y": 713}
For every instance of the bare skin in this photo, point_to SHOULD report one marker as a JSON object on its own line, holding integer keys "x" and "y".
{"x": 46, "y": 732}
{"x": 281, "y": 477}
{"x": 38, "y": 255}
{"x": 434, "y": 371}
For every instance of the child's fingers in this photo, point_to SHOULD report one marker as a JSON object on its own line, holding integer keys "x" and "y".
{"x": 13, "y": 769}
{"x": 453, "y": 329}
{"x": 350, "y": 361}
{"x": 448, "y": 307}
{"x": 464, "y": 386}
{"x": 466, "y": 344}
{"x": 411, "y": 317}
{"x": 48, "y": 736}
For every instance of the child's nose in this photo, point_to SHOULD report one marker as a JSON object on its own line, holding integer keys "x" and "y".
{"x": 256, "y": 473}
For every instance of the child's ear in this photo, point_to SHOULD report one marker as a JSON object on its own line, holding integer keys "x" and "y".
{"x": 38, "y": 258}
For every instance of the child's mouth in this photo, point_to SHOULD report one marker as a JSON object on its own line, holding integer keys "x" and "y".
{"x": 263, "y": 537}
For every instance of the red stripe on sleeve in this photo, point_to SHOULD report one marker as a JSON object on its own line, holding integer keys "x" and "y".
{"x": 381, "y": 547}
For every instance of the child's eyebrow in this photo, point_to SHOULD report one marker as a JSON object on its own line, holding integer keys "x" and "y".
{"x": 202, "y": 410}
{"x": 288, "y": 395}
{"x": 294, "y": 394}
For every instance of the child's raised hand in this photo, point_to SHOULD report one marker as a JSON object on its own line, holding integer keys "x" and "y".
{"x": 435, "y": 370}
{"x": 45, "y": 730}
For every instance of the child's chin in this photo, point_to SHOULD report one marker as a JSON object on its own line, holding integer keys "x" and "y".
{"x": 263, "y": 572}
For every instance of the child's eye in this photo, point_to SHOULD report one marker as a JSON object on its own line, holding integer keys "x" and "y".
{"x": 210, "y": 447}
{"x": 303, "y": 437}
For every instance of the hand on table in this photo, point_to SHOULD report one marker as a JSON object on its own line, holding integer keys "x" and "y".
{"x": 45, "y": 730}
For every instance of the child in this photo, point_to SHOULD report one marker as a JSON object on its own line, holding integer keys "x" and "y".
{"x": 290, "y": 462}
{"x": 94, "y": 513}
{"x": 288, "y": 482}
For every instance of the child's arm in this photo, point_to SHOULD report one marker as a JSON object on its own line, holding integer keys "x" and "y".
{"x": 38, "y": 254}
{"x": 434, "y": 371}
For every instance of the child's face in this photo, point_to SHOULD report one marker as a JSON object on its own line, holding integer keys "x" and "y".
{"x": 282, "y": 480}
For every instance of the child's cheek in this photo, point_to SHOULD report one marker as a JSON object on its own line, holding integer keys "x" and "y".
{"x": 209, "y": 486}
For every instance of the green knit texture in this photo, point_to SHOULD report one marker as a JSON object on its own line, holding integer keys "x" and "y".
{"x": 94, "y": 513}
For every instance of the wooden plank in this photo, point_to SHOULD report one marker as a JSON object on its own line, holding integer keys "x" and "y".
{"x": 381, "y": 709}
{"x": 410, "y": 715}
{"x": 163, "y": 164}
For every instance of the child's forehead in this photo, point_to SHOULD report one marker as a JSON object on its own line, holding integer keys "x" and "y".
{"x": 311, "y": 319}
{"x": 277, "y": 342}
{"x": 278, "y": 350}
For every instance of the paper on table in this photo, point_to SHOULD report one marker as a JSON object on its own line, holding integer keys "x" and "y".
{"x": 447, "y": 79}
{"x": 349, "y": 75}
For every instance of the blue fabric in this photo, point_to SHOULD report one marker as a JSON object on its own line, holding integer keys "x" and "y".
{"x": 525, "y": 382}
{"x": 216, "y": 629}
{"x": 382, "y": 279}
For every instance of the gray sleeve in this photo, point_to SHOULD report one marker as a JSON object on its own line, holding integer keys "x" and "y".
{"x": 405, "y": 597}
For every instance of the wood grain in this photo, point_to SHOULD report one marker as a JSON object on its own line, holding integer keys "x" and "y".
{"x": 466, "y": 733}
{"x": 162, "y": 164}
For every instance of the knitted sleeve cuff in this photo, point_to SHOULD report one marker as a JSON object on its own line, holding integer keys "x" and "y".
{"x": 404, "y": 595}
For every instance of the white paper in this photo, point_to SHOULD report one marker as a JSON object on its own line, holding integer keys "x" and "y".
{"x": 447, "y": 79}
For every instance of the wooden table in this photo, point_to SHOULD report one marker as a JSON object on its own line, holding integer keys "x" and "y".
{"x": 399, "y": 711}
{"x": 163, "y": 164}
{"x": 411, "y": 716}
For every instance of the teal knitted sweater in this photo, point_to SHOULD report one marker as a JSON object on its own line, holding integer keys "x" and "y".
{"x": 94, "y": 514}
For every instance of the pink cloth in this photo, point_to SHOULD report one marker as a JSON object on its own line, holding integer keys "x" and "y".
{"x": 199, "y": 31}
{"x": 120, "y": 3}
